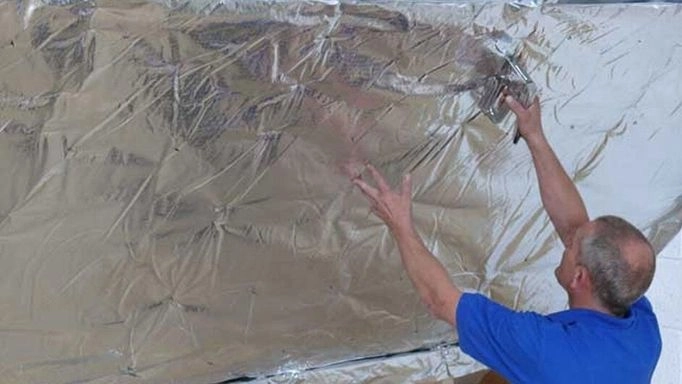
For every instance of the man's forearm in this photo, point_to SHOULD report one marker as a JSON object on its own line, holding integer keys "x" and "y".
{"x": 428, "y": 275}
{"x": 559, "y": 194}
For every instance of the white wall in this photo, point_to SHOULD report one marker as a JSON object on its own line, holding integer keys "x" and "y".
{"x": 666, "y": 297}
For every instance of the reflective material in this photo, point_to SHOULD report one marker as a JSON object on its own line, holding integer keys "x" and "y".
{"x": 176, "y": 202}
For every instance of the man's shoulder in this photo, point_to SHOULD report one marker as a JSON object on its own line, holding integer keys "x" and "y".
{"x": 643, "y": 305}
{"x": 472, "y": 306}
{"x": 644, "y": 312}
{"x": 640, "y": 322}
{"x": 476, "y": 301}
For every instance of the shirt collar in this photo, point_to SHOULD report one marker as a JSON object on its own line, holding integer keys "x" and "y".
{"x": 578, "y": 315}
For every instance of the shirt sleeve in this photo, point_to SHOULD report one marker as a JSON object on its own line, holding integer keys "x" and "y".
{"x": 507, "y": 341}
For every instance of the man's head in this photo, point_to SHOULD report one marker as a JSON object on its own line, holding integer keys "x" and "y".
{"x": 609, "y": 260}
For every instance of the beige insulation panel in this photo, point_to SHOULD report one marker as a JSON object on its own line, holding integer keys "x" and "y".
{"x": 175, "y": 203}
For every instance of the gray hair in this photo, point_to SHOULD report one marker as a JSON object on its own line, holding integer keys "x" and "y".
{"x": 618, "y": 280}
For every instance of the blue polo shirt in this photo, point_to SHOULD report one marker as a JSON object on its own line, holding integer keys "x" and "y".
{"x": 573, "y": 346}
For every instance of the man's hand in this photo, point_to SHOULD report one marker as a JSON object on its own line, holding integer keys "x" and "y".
{"x": 427, "y": 274}
{"x": 393, "y": 207}
{"x": 528, "y": 119}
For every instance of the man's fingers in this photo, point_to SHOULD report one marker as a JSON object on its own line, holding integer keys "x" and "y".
{"x": 378, "y": 178}
{"x": 406, "y": 186}
{"x": 514, "y": 105}
{"x": 536, "y": 102}
{"x": 367, "y": 189}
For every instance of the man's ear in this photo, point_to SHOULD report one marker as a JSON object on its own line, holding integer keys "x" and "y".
{"x": 581, "y": 280}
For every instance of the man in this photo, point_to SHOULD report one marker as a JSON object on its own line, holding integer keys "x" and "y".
{"x": 609, "y": 334}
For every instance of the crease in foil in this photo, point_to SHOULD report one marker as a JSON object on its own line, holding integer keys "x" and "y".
{"x": 176, "y": 203}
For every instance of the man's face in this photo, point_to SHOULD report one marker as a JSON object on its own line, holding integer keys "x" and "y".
{"x": 566, "y": 270}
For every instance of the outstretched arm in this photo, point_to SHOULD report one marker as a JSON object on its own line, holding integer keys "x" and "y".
{"x": 559, "y": 195}
{"x": 427, "y": 274}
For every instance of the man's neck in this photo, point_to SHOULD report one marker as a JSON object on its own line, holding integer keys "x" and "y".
{"x": 578, "y": 302}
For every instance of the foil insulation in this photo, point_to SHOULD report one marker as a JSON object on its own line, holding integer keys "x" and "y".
{"x": 176, "y": 204}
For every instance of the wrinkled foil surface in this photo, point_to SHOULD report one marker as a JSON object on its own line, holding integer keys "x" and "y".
{"x": 176, "y": 202}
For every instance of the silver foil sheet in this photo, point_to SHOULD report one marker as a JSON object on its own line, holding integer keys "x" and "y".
{"x": 175, "y": 203}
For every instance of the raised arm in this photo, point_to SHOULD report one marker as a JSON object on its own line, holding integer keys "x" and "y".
{"x": 427, "y": 274}
{"x": 559, "y": 195}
